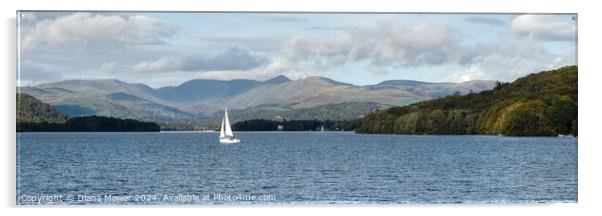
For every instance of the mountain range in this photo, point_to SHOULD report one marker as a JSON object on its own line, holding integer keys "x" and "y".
{"x": 34, "y": 115}
{"x": 200, "y": 98}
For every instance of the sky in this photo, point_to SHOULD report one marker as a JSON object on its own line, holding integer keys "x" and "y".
{"x": 162, "y": 49}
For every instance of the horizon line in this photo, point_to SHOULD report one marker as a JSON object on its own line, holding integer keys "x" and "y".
{"x": 257, "y": 80}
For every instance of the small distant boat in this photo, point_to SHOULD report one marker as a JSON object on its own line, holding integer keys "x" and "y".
{"x": 226, "y": 136}
{"x": 562, "y": 135}
{"x": 322, "y": 128}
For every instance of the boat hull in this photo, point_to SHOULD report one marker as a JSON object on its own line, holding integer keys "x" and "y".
{"x": 229, "y": 140}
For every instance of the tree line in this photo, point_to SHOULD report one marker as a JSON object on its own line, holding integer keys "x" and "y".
{"x": 89, "y": 124}
{"x": 294, "y": 125}
{"x": 542, "y": 104}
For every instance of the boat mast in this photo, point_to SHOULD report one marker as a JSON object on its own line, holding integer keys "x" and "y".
{"x": 221, "y": 131}
{"x": 227, "y": 123}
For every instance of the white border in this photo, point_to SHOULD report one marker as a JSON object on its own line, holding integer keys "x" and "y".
{"x": 589, "y": 78}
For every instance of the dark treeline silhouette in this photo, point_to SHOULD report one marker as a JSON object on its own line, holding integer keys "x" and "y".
{"x": 89, "y": 124}
{"x": 293, "y": 125}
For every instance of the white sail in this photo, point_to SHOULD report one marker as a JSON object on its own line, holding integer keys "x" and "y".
{"x": 225, "y": 134}
{"x": 221, "y": 131}
{"x": 227, "y": 123}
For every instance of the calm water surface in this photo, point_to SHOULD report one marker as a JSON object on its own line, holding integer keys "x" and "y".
{"x": 295, "y": 167}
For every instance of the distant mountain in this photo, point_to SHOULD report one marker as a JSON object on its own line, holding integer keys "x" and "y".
{"x": 101, "y": 87}
{"x": 140, "y": 108}
{"x": 34, "y": 115}
{"x": 208, "y": 96}
{"x": 435, "y": 90}
{"x": 198, "y": 91}
{"x": 195, "y": 91}
{"x": 198, "y": 98}
{"x": 277, "y": 80}
{"x": 105, "y": 97}
{"x": 408, "y": 83}
{"x": 119, "y": 105}
{"x": 316, "y": 91}
{"x": 32, "y": 110}
{"x": 541, "y": 104}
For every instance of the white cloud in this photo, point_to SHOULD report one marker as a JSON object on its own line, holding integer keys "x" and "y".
{"x": 383, "y": 45}
{"x": 507, "y": 62}
{"x": 386, "y": 48}
{"x": 277, "y": 66}
{"x": 281, "y": 18}
{"x": 234, "y": 58}
{"x": 106, "y": 45}
{"x": 167, "y": 63}
{"x": 543, "y": 27}
{"x": 85, "y": 29}
{"x": 485, "y": 20}
{"x": 109, "y": 67}
{"x": 27, "y": 17}
{"x": 33, "y": 73}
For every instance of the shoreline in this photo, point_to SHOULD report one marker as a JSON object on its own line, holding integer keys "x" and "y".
{"x": 309, "y": 132}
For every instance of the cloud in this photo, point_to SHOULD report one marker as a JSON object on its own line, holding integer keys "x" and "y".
{"x": 328, "y": 28}
{"x": 381, "y": 45}
{"x": 276, "y": 67}
{"x": 167, "y": 63}
{"x": 387, "y": 47}
{"x": 485, "y": 20}
{"x": 84, "y": 45}
{"x": 33, "y": 73}
{"x": 262, "y": 44}
{"x": 95, "y": 30}
{"x": 27, "y": 17}
{"x": 508, "y": 61}
{"x": 109, "y": 67}
{"x": 233, "y": 59}
{"x": 281, "y": 18}
{"x": 543, "y": 27}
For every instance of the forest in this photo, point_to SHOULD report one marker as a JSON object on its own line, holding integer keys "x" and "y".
{"x": 90, "y": 124}
{"x": 540, "y": 104}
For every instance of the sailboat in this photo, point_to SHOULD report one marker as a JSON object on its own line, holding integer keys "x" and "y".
{"x": 226, "y": 136}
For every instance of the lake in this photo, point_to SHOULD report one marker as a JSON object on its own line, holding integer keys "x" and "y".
{"x": 292, "y": 168}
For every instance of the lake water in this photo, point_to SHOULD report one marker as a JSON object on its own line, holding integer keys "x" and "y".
{"x": 292, "y": 168}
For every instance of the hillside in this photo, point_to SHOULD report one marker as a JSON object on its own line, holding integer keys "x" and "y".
{"x": 57, "y": 91}
{"x": 32, "y": 110}
{"x": 542, "y": 104}
{"x": 316, "y": 91}
{"x": 35, "y": 115}
{"x": 200, "y": 99}
{"x": 195, "y": 91}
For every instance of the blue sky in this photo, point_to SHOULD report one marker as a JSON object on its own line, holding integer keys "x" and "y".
{"x": 160, "y": 49}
